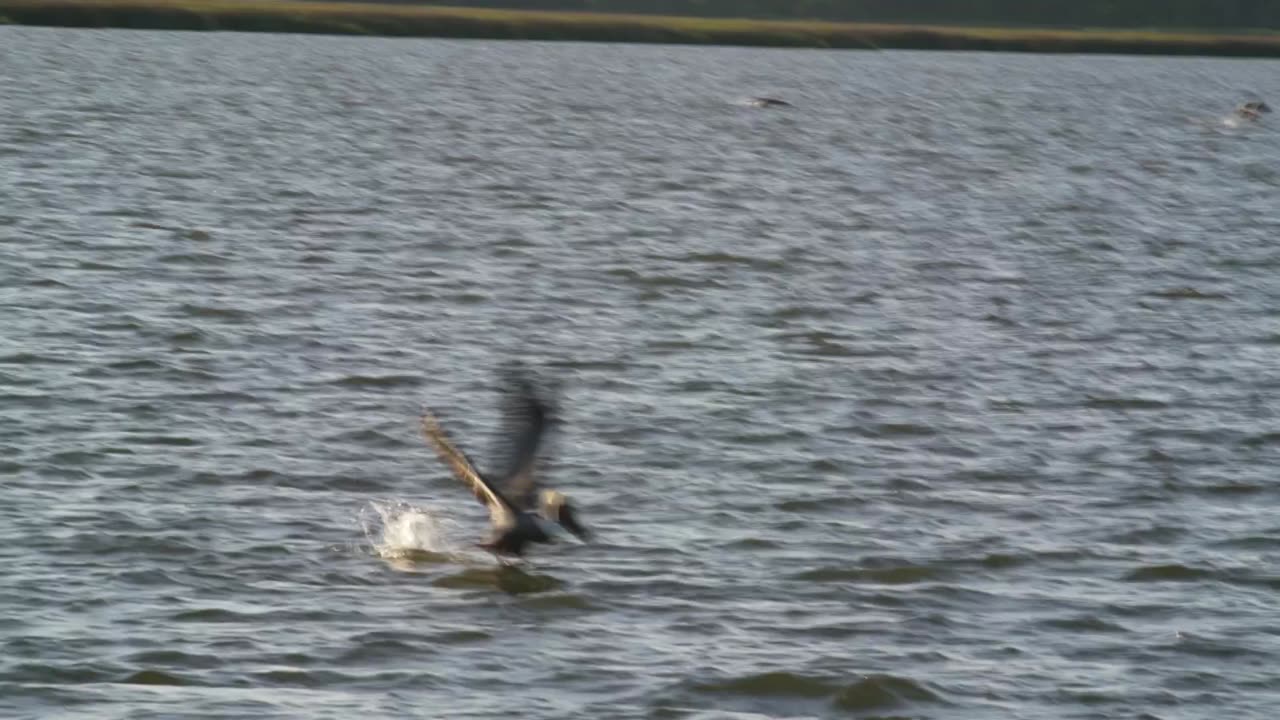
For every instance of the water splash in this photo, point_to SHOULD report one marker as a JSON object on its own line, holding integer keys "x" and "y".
{"x": 396, "y": 530}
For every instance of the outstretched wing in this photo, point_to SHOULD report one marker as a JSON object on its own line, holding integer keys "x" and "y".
{"x": 527, "y": 419}
{"x": 501, "y": 512}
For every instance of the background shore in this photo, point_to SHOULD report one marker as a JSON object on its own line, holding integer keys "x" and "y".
{"x": 419, "y": 21}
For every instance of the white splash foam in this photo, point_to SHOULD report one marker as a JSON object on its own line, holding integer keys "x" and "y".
{"x": 398, "y": 530}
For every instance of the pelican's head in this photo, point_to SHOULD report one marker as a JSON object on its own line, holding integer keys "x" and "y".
{"x": 556, "y": 507}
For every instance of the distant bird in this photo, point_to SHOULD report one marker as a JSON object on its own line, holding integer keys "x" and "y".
{"x": 519, "y": 510}
{"x": 1253, "y": 110}
{"x": 764, "y": 102}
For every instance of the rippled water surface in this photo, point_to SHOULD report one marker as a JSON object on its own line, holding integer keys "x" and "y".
{"x": 950, "y": 392}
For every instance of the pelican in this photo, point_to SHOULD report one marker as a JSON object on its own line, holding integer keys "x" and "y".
{"x": 520, "y": 512}
{"x": 1253, "y": 110}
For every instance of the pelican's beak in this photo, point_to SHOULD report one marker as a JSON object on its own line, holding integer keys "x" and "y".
{"x": 569, "y": 521}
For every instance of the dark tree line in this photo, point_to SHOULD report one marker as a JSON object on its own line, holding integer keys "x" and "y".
{"x": 1197, "y": 14}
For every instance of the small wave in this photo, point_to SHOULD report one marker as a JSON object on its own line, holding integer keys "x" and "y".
{"x": 819, "y": 504}
{"x": 899, "y": 430}
{"x": 509, "y": 579}
{"x": 371, "y": 438}
{"x": 1259, "y": 440}
{"x": 188, "y": 337}
{"x": 1250, "y": 542}
{"x": 1186, "y": 293}
{"x": 1125, "y": 403}
{"x": 1084, "y": 623}
{"x": 193, "y": 258}
{"x": 822, "y": 344}
{"x": 1173, "y": 572}
{"x": 724, "y": 258}
{"x": 48, "y": 282}
{"x": 1151, "y": 534}
{"x": 224, "y": 398}
{"x": 751, "y": 543}
{"x": 144, "y": 368}
{"x": 174, "y": 658}
{"x": 1218, "y": 648}
{"x": 617, "y": 365}
{"x": 548, "y": 600}
{"x": 1002, "y": 561}
{"x": 380, "y": 648}
{"x": 870, "y": 693}
{"x": 1238, "y": 487}
{"x": 209, "y": 615}
{"x": 928, "y": 265}
{"x": 72, "y": 457}
{"x": 793, "y": 312}
{"x": 895, "y": 575}
{"x": 68, "y": 674}
{"x": 773, "y": 684}
{"x": 876, "y": 692}
{"x": 659, "y": 281}
{"x": 766, "y": 437}
{"x": 103, "y": 267}
{"x": 140, "y": 364}
{"x": 166, "y": 440}
{"x": 258, "y": 476}
{"x": 459, "y": 637}
{"x": 26, "y": 358}
{"x": 147, "y": 225}
{"x": 1194, "y": 681}
{"x": 293, "y": 677}
{"x": 172, "y": 172}
{"x": 154, "y": 677}
{"x": 387, "y": 381}
{"x": 209, "y": 311}
{"x": 1262, "y": 173}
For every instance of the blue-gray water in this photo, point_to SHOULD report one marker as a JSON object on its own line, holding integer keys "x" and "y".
{"x": 951, "y": 392}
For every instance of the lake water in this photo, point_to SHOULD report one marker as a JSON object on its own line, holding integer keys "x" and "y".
{"x": 952, "y": 391}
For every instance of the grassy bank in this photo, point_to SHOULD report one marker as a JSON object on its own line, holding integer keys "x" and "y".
{"x": 401, "y": 20}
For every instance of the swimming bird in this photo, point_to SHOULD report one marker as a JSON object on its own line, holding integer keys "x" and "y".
{"x": 1253, "y": 110}
{"x": 519, "y": 510}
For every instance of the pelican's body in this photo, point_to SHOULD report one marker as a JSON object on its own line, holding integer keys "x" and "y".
{"x": 1253, "y": 110}
{"x": 519, "y": 511}
{"x": 512, "y": 539}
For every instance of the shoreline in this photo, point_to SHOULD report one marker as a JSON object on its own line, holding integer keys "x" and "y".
{"x": 294, "y": 16}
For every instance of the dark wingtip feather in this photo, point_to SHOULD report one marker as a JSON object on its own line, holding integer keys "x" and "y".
{"x": 527, "y": 414}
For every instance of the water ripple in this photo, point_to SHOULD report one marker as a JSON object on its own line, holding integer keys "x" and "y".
{"x": 946, "y": 393}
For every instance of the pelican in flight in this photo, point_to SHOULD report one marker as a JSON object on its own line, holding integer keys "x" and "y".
{"x": 520, "y": 511}
{"x": 1253, "y": 110}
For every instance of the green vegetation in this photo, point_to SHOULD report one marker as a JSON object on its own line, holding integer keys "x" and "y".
{"x": 454, "y": 22}
{"x": 1185, "y": 14}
